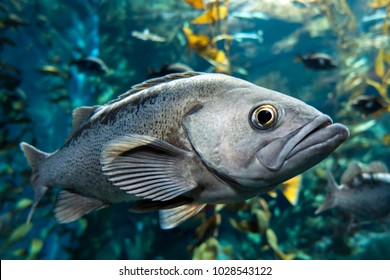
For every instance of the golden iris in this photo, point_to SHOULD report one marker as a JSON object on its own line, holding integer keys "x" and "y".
{"x": 264, "y": 116}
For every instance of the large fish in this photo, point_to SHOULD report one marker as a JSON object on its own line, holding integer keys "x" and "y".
{"x": 179, "y": 142}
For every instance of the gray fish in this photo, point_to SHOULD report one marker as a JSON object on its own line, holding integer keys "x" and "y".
{"x": 316, "y": 61}
{"x": 167, "y": 69}
{"x": 179, "y": 142}
{"x": 364, "y": 192}
{"x": 91, "y": 65}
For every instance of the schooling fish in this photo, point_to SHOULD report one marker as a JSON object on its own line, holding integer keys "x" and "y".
{"x": 316, "y": 61}
{"x": 179, "y": 142}
{"x": 363, "y": 192}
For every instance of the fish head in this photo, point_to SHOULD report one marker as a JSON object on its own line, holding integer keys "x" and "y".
{"x": 256, "y": 138}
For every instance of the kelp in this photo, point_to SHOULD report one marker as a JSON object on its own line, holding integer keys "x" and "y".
{"x": 205, "y": 45}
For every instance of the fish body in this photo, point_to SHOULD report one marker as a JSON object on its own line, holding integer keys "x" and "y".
{"x": 91, "y": 64}
{"x": 242, "y": 36}
{"x": 368, "y": 104}
{"x": 146, "y": 35}
{"x": 317, "y": 61}
{"x": 363, "y": 192}
{"x": 250, "y": 15}
{"x": 167, "y": 69}
{"x": 179, "y": 142}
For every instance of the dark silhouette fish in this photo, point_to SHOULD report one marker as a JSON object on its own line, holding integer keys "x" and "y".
{"x": 177, "y": 143}
{"x": 316, "y": 61}
{"x": 91, "y": 65}
{"x": 363, "y": 192}
{"x": 167, "y": 69}
{"x": 368, "y": 104}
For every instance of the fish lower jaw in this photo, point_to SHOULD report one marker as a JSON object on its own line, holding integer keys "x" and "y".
{"x": 326, "y": 137}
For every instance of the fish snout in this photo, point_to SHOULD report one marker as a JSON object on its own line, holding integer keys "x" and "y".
{"x": 305, "y": 147}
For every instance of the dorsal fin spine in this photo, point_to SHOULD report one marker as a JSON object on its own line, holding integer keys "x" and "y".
{"x": 80, "y": 116}
{"x": 153, "y": 82}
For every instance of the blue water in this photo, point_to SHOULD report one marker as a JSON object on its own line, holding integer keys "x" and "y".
{"x": 38, "y": 110}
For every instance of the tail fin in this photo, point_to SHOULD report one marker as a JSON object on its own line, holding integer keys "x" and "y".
{"x": 330, "y": 199}
{"x": 298, "y": 58}
{"x": 34, "y": 158}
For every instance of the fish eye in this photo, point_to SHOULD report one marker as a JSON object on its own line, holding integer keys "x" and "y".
{"x": 263, "y": 116}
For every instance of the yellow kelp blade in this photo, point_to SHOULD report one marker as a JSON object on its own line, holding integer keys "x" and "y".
{"x": 386, "y": 57}
{"x": 262, "y": 221}
{"x": 216, "y": 13}
{"x": 216, "y": 58}
{"x": 196, "y": 42}
{"x": 386, "y": 78}
{"x": 273, "y": 243}
{"x": 203, "y": 19}
{"x": 219, "y": 12}
{"x": 380, "y": 64}
{"x": 381, "y": 88}
{"x": 290, "y": 189}
{"x": 272, "y": 194}
{"x": 197, "y": 4}
{"x": 386, "y": 139}
{"x": 35, "y": 247}
{"x": 223, "y": 64}
{"x": 208, "y": 250}
{"x": 379, "y": 3}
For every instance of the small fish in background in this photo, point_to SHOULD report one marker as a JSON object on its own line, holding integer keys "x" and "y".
{"x": 177, "y": 143}
{"x": 316, "y": 61}
{"x": 364, "y": 192}
{"x": 12, "y": 21}
{"x": 250, "y": 15}
{"x": 369, "y": 105}
{"x": 90, "y": 65}
{"x": 52, "y": 71}
{"x": 167, "y": 69}
{"x": 243, "y": 36}
{"x": 146, "y": 35}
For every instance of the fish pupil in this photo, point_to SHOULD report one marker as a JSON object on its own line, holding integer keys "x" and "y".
{"x": 264, "y": 117}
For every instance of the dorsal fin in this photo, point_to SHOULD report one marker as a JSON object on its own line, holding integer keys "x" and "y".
{"x": 80, "y": 116}
{"x": 352, "y": 171}
{"x": 153, "y": 82}
{"x": 376, "y": 167}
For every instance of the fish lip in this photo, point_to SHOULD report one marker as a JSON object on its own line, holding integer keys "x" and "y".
{"x": 311, "y": 131}
{"x": 326, "y": 132}
{"x": 294, "y": 143}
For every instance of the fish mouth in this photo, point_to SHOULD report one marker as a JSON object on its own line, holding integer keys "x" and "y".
{"x": 316, "y": 139}
{"x": 311, "y": 139}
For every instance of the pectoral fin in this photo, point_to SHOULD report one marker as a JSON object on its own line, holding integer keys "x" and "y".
{"x": 147, "y": 167}
{"x": 170, "y": 218}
